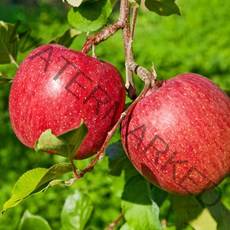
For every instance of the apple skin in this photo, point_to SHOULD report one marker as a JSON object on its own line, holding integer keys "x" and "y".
{"x": 55, "y": 87}
{"x": 178, "y": 136}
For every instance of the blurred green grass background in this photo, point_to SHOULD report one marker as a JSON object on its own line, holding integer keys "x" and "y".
{"x": 198, "y": 41}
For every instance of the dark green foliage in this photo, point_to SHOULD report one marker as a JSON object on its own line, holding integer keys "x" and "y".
{"x": 90, "y": 16}
{"x": 163, "y": 7}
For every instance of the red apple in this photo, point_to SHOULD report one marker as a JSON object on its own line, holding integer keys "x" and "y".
{"x": 178, "y": 136}
{"x": 55, "y": 88}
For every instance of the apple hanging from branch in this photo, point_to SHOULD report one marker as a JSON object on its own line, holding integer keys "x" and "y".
{"x": 178, "y": 136}
{"x": 55, "y": 88}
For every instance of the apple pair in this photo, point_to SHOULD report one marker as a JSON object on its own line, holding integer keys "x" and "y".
{"x": 177, "y": 136}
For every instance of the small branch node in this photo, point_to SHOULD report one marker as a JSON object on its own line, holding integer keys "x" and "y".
{"x": 121, "y": 23}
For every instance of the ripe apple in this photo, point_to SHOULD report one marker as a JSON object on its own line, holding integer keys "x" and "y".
{"x": 55, "y": 88}
{"x": 178, "y": 136}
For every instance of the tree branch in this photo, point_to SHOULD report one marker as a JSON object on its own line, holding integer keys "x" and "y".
{"x": 149, "y": 77}
{"x": 128, "y": 33}
{"x": 129, "y": 84}
{"x": 107, "y": 31}
{"x": 75, "y": 173}
{"x": 131, "y": 66}
{"x": 100, "y": 154}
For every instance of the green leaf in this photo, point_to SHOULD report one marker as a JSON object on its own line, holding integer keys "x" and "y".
{"x": 140, "y": 211}
{"x": 26, "y": 41}
{"x": 66, "y": 38}
{"x": 126, "y": 227}
{"x": 117, "y": 158}
{"x": 8, "y": 43}
{"x": 90, "y": 16}
{"x": 34, "y": 181}
{"x": 158, "y": 195}
{"x": 204, "y": 221}
{"x": 49, "y": 142}
{"x": 225, "y": 190}
{"x": 53, "y": 173}
{"x": 4, "y": 78}
{"x": 212, "y": 200}
{"x": 76, "y": 211}
{"x": 118, "y": 161}
{"x": 184, "y": 209}
{"x": 34, "y": 222}
{"x": 113, "y": 2}
{"x": 163, "y": 7}
{"x": 65, "y": 145}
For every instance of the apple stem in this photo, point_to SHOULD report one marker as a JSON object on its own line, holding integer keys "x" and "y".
{"x": 128, "y": 34}
{"x": 75, "y": 173}
{"x": 149, "y": 77}
{"x": 132, "y": 67}
{"x": 100, "y": 154}
{"x": 128, "y": 28}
